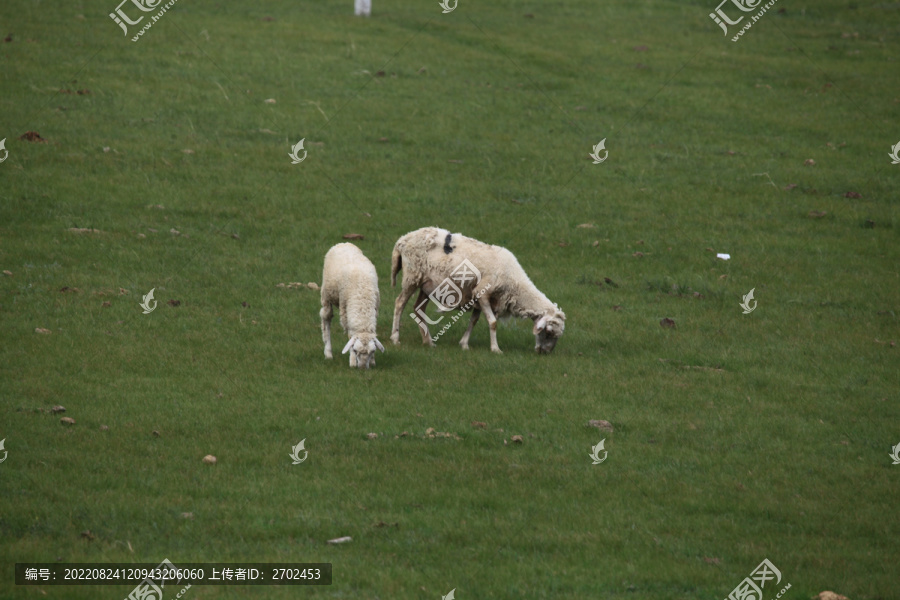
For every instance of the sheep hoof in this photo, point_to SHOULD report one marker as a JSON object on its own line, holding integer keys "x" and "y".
{"x": 395, "y": 339}
{"x": 328, "y": 355}
{"x": 464, "y": 346}
{"x": 496, "y": 350}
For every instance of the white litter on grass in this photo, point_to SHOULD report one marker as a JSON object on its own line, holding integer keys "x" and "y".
{"x": 723, "y": 256}
{"x": 340, "y": 540}
{"x": 362, "y": 7}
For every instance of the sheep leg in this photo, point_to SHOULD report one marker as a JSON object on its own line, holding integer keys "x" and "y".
{"x": 464, "y": 342}
{"x": 405, "y": 294}
{"x": 326, "y": 313}
{"x": 485, "y": 303}
{"x": 423, "y": 326}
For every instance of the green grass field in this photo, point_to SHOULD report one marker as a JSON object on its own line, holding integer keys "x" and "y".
{"x": 737, "y": 437}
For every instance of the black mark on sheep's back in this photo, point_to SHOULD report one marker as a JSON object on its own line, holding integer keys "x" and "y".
{"x": 447, "y": 248}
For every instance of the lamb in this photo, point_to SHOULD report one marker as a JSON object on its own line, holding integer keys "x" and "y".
{"x": 350, "y": 281}
{"x": 493, "y": 283}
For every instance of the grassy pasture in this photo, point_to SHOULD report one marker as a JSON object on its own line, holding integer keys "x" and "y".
{"x": 736, "y": 437}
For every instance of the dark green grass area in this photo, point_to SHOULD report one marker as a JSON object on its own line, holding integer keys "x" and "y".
{"x": 736, "y": 437}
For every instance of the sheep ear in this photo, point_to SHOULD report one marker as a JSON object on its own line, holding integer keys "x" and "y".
{"x": 379, "y": 346}
{"x": 540, "y": 325}
{"x": 348, "y": 346}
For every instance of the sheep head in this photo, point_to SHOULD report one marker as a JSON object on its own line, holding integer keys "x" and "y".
{"x": 547, "y": 331}
{"x": 362, "y": 350}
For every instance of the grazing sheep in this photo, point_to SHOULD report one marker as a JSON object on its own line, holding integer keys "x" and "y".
{"x": 429, "y": 256}
{"x": 350, "y": 281}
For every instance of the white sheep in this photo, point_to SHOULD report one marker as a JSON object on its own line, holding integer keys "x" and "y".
{"x": 429, "y": 256}
{"x": 349, "y": 280}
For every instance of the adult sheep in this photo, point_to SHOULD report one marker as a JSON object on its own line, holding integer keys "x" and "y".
{"x": 431, "y": 257}
{"x": 349, "y": 281}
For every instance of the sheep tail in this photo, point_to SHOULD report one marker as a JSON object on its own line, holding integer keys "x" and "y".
{"x": 396, "y": 263}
